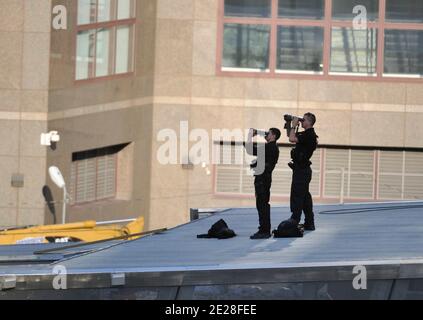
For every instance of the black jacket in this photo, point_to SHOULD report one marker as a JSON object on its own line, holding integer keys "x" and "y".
{"x": 304, "y": 148}
{"x": 271, "y": 152}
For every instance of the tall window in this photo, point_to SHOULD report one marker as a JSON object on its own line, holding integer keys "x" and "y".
{"x": 353, "y": 50}
{"x": 250, "y": 28}
{"x": 404, "y": 38}
{"x": 105, "y": 38}
{"x": 367, "y": 38}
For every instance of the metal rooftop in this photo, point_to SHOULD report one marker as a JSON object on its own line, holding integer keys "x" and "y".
{"x": 386, "y": 238}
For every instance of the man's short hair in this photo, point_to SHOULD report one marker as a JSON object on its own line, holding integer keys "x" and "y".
{"x": 312, "y": 117}
{"x": 276, "y": 132}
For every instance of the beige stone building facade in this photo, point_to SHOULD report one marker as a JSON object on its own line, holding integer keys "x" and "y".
{"x": 24, "y": 86}
{"x": 122, "y": 71}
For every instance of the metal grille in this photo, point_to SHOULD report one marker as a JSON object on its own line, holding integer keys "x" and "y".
{"x": 93, "y": 178}
{"x": 235, "y": 178}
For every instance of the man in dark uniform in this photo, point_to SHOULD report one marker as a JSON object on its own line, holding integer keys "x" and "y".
{"x": 263, "y": 177}
{"x": 306, "y": 143}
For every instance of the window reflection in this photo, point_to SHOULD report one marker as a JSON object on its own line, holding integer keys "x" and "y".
{"x": 404, "y": 11}
{"x": 103, "y": 52}
{"x": 300, "y": 48}
{"x": 354, "y": 51}
{"x": 246, "y": 46}
{"x": 343, "y": 9}
{"x": 86, "y": 11}
{"x": 404, "y": 52}
{"x": 310, "y": 9}
{"x": 104, "y": 10}
{"x": 85, "y": 54}
{"x": 248, "y": 8}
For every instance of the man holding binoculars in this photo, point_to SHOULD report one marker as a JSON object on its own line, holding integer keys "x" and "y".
{"x": 263, "y": 176}
{"x": 305, "y": 144}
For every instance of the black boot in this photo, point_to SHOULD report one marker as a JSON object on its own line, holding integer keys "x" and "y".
{"x": 260, "y": 235}
{"x": 309, "y": 226}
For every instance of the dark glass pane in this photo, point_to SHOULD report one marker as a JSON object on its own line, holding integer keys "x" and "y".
{"x": 353, "y": 50}
{"x": 246, "y": 46}
{"x": 248, "y": 8}
{"x": 404, "y": 51}
{"x": 301, "y": 9}
{"x": 404, "y": 10}
{"x": 343, "y": 9}
{"x": 300, "y": 48}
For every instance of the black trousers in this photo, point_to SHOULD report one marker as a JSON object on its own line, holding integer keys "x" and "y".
{"x": 262, "y": 184}
{"x": 301, "y": 199}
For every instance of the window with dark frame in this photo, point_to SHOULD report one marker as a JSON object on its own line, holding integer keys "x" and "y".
{"x": 105, "y": 38}
{"x": 318, "y": 37}
{"x": 94, "y": 174}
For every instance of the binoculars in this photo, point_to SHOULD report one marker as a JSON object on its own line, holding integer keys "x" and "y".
{"x": 289, "y": 118}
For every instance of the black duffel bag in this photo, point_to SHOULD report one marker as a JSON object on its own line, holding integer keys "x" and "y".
{"x": 219, "y": 230}
{"x": 288, "y": 229}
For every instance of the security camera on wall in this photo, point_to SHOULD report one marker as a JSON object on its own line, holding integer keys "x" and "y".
{"x": 48, "y": 138}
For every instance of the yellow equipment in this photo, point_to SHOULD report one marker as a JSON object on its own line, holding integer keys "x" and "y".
{"x": 86, "y": 231}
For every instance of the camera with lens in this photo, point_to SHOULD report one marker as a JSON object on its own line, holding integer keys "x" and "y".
{"x": 288, "y": 119}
